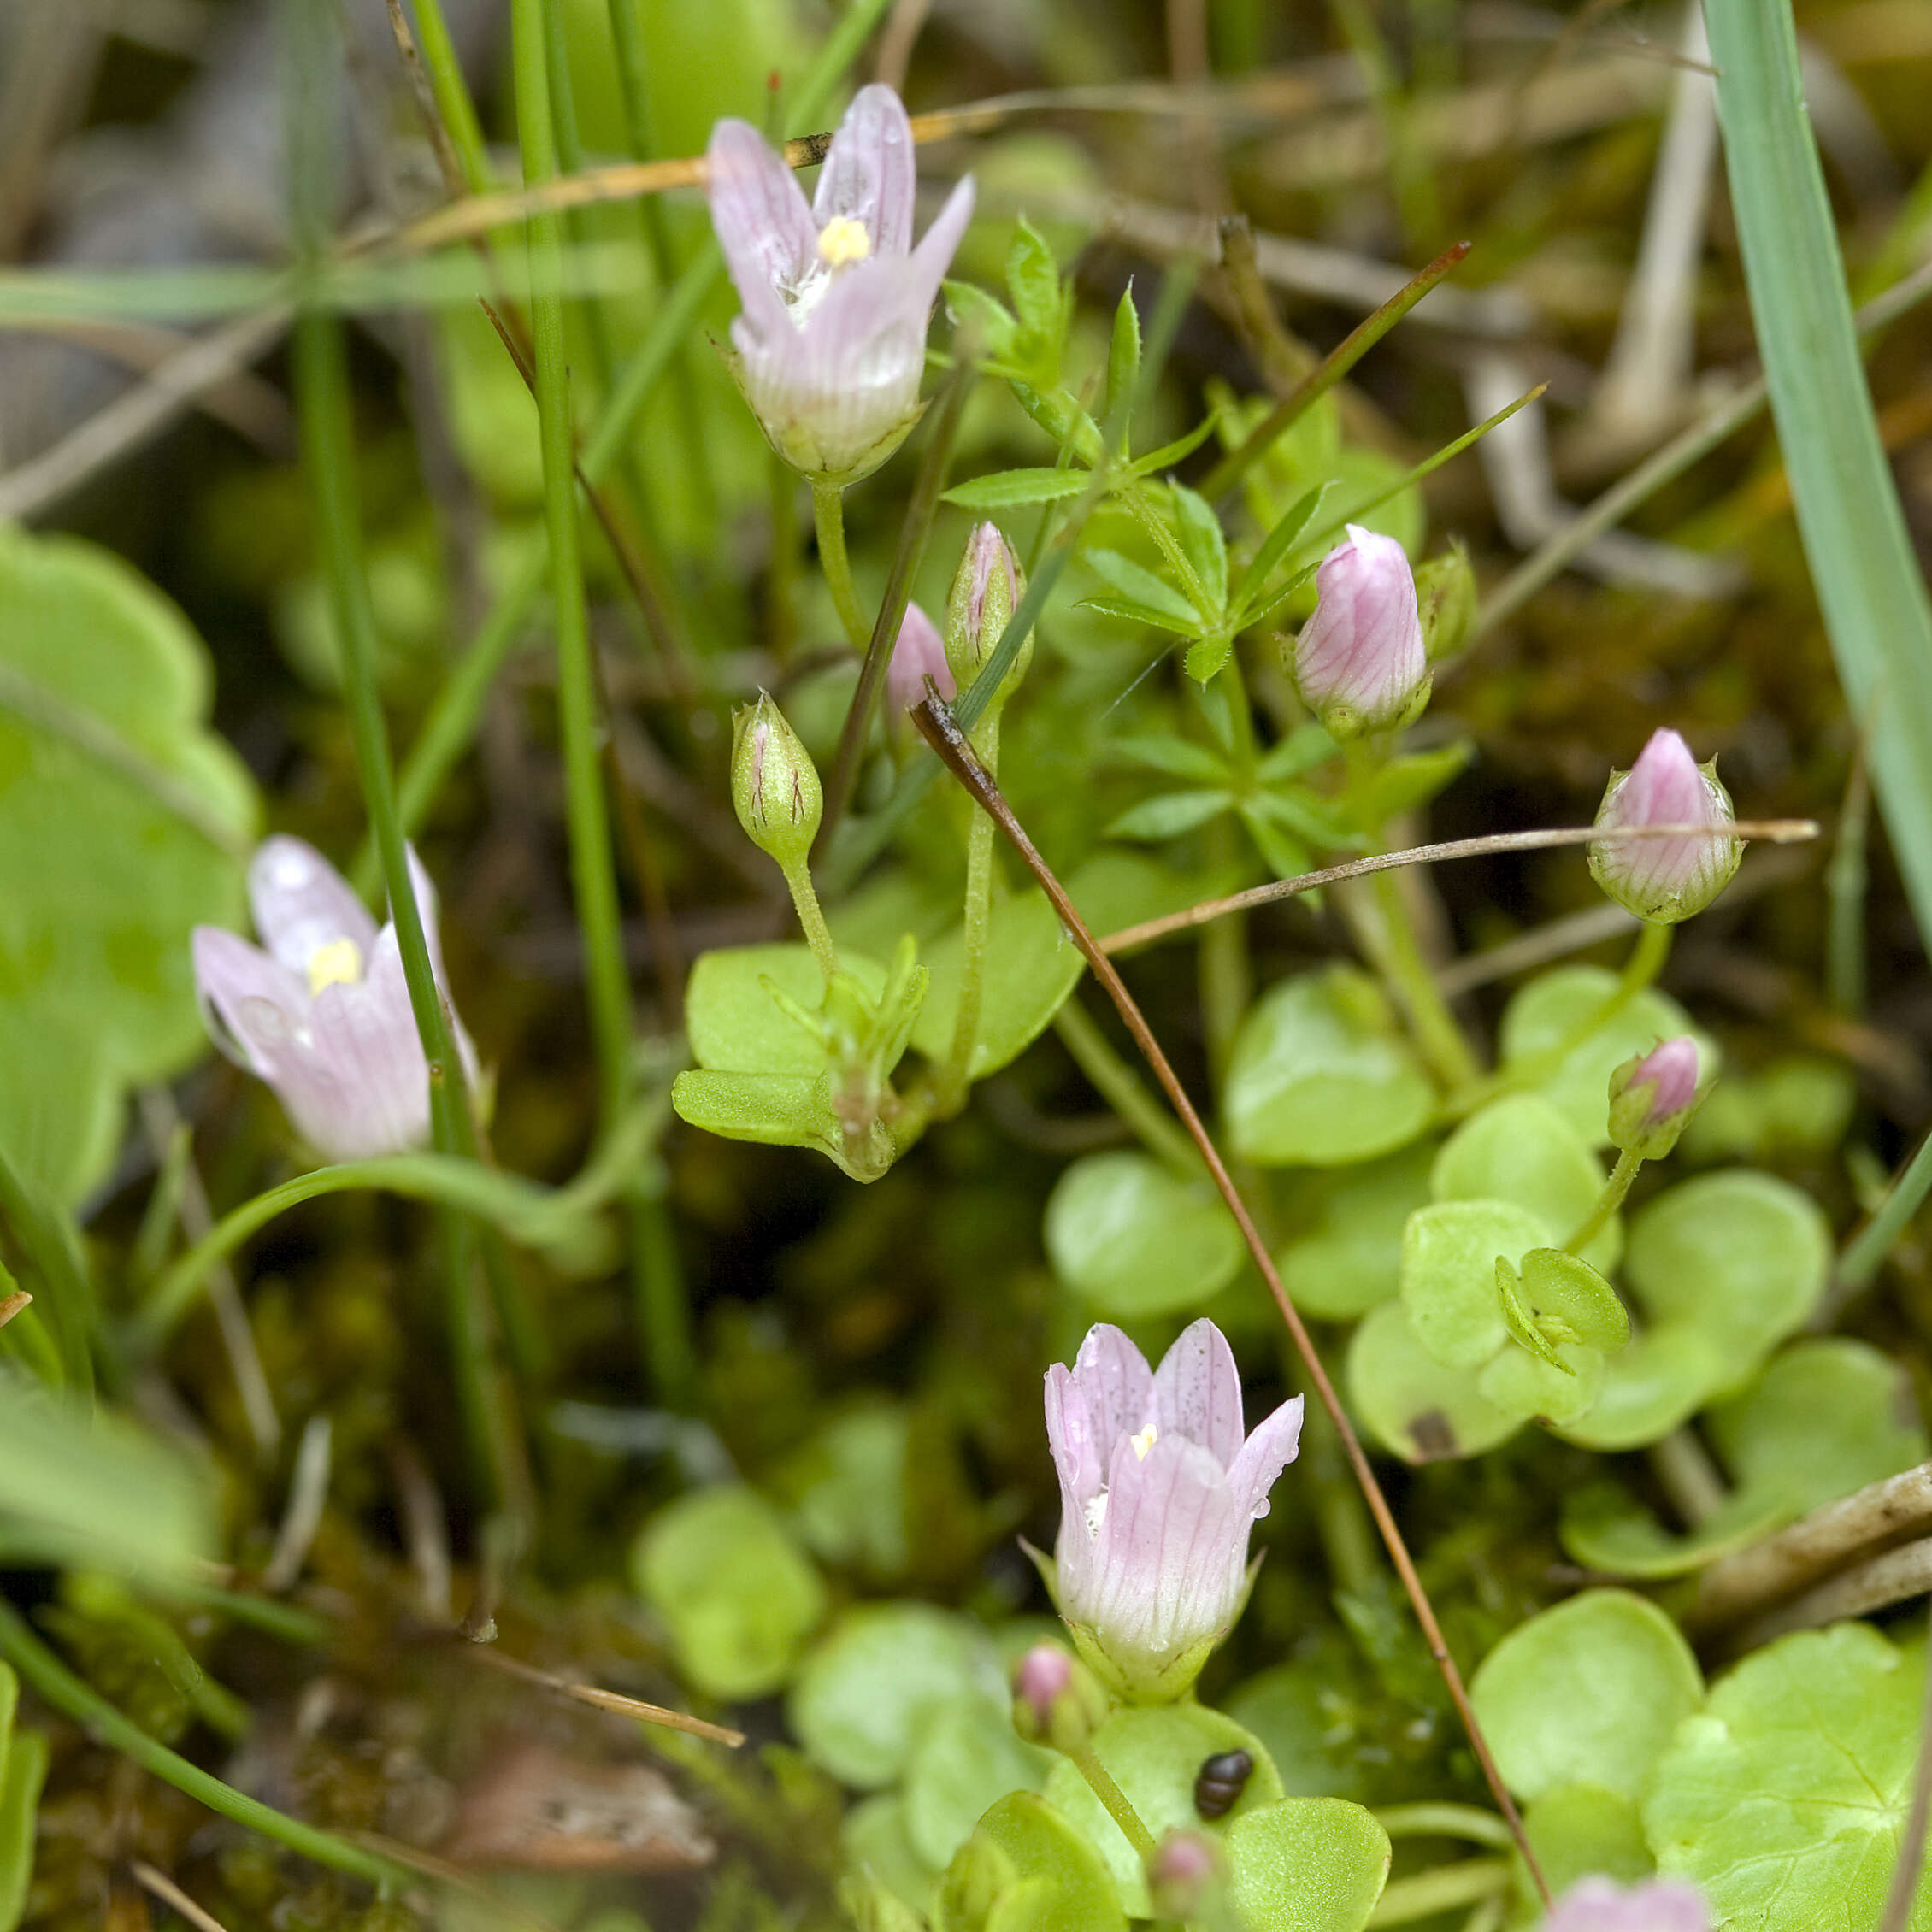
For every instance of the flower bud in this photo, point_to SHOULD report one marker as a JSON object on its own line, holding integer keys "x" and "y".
{"x": 918, "y": 654}
{"x": 1184, "y": 1874}
{"x": 1652, "y": 1097}
{"x": 1446, "y": 599}
{"x": 1359, "y": 662}
{"x": 1057, "y": 1700}
{"x": 774, "y": 786}
{"x": 1665, "y": 880}
{"x": 985, "y": 587}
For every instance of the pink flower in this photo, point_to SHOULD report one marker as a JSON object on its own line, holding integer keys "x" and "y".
{"x": 1660, "y": 1905}
{"x": 1359, "y": 662}
{"x": 1653, "y": 1098}
{"x": 1669, "y": 1069}
{"x": 1667, "y": 879}
{"x": 1158, "y": 1491}
{"x": 832, "y": 341}
{"x": 323, "y": 1014}
{"x": 918, "y": 654}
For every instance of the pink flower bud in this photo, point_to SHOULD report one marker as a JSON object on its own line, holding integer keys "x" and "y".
{"x": 1043, "y": 1672}
{"x": 1665, "y": 880}
{"x": 1056, "y": 1700}
{"x": 985, "y": 588}
{"x": 1359, "y": 662}
{"x": 918, "y": 654}
{"x": 1182, "y": 1874}
{"x": 1653, "y": 1098}
{"x": 1660, "y": 1905}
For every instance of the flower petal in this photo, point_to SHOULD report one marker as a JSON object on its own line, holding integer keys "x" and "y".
{"x": 1197, "y": 1392}
{"x": 1170, "y": 1560}
{"x": 362, "y": 1090}
{"x": 1079, "y": 1461}
{"x": 1662, "y": 1904}
{"x": 302, "y": 902}
{"x": 934, "y": 256}
{"x": 869, "y": 172}
{"x": 1116, "y": 1385}
{"x": 918, "y": 653}
{"x": 252, "y": 1004}
{"x": 770, "y": 239}
{"x": 1262, "y": 1457}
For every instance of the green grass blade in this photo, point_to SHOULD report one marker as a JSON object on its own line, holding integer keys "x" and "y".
{"x": 1868, "y": 582}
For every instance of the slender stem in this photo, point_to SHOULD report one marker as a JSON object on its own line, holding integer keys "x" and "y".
{"x": 1687, "y": 1476}
{"x": 1777, "y": 831}
{"x": 1845, "y": 882}
{"x": 1439, "y": 1889}
{"x": 977, "y": 915}
{"x": 663, "y": 1307}
{"x": 1429, "y": 1820}
{"x": 453, "y": 103}
{"x": 1119, "y": 1807}
{"x": 1348, "y": 1540}
{"x": 818, "y": 935}
{"x": 940, "y": 730}
{"x": 1114, "y": 1080}
{"x": 1607, "y": 1203}
{"x": 87, "y": 1708}
{"x": 829, "y": 513}
{"x": 1865, "y": 1253}
{"x": 1441, "y": 1040}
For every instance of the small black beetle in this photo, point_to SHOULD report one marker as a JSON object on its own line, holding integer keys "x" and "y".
{"x": 1220, "y": 1781}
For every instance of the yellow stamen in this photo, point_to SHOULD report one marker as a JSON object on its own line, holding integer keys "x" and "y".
{"x": 1145, "y": 1441}
{"x": 338, "y": 963}
{"x": 843, "y": 241}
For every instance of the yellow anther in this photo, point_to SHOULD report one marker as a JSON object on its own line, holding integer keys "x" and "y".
{"x": 843, "y": 241}
{"x": 1145, "y": 1441}
{"x": 338, "y": 963}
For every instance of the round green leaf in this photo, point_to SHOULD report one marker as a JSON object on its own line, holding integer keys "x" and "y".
{"x": 1320, "y": 1075}
{"x": 858, "y": 1702}
{"x": 1449, "y": 1254}
{"x": 966, "y": 1756}
{"x": 1581, "y": 1831}
{"x": 739, "y": 1594}
{"x": 1555, "y": 1391}
{"x": 1659, "y": 1381}
{"x": 1568, "y": 1298}
{"x": 1521, "y": 1148}
{"x": 1135, "y": 1240}
{"x": 1350, "y": 1256}
{"x": 1307, "y": 1864}
{"x": 1785, "y": 1799}
{"x": 1825, "y": 1418}
{"x": 878, "y": 1847}
{"x": 124, "y": 823}
{"x": 1290, "y": 1708}
{"x": 1550, "y": 1010}
{"x": 1606, "y": 1528}
{"x": 1154, "y": 1753}
{"x": 1068, "y": 1887}
{"x": 1588, "y": 1691}
{"x": 1031, "y": 966}
{"x": 735, "y": 1026}
{"x": 1413, "y": 1404}
{"x": 1741, "y": 1256}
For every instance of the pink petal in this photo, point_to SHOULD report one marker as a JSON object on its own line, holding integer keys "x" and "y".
{"x": 363, "y": 1088}
{"x": 252, "y": 1004}
{"x": 1116, "y": 1385}
{"x": 918, "y": 653}
{"x": 302, "y": 902}
{"x": 1664, "y": 787}
{"x": 1662, "y": 1904}
{"x": 1262, "y": 1457}
{"x": 1078, "y": 1459}
{"x": 1172, "y": 1552}
{"x": 1197, "y": 1392}
{"x": 770, "y": 239}
{"x": 869, "y": 172}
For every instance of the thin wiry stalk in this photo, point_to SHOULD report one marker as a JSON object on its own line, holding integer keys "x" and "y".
{"x": 938, "y": 727}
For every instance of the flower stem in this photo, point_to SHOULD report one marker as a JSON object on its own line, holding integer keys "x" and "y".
{"x": 1120, "y": 1808}
{"x": 87, "y": 1708}
{"x": 975, "y": 916}
{"x": 1608, "y": 1202}
{"x": 828, "y": 514}
{"x": 818, "y": 935}
{"x": 1440, "y": 1820}
{"x": 1440, "y": 1889}
{"x": 1115, "y": 1082}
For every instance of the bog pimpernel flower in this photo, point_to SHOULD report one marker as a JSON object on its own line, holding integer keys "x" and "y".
{"x": 1652, "y": 1097}
{"x": 832, "y": 341}
{"x": 1665, "y": 880}
{"x": 1359, "y": 662}
{"x": 322, "y": 1014}
{"x": 1159, "y": 1488}
{"x": 1660, "y": 1905}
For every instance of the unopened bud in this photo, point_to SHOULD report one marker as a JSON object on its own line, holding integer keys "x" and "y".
{"x": 1446, "y": 599}
{"x": 774, "y": 786}
{"x": 1184, "y": 1874}
{"x": 1653, "y": 1098}
{"x": 1359, "y": 662}
{"x": 985, "y": 588}
{"x": 918, "y": 653}
{"x": 1057, "y": 1700}
{"x": 1665, "y": 880}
